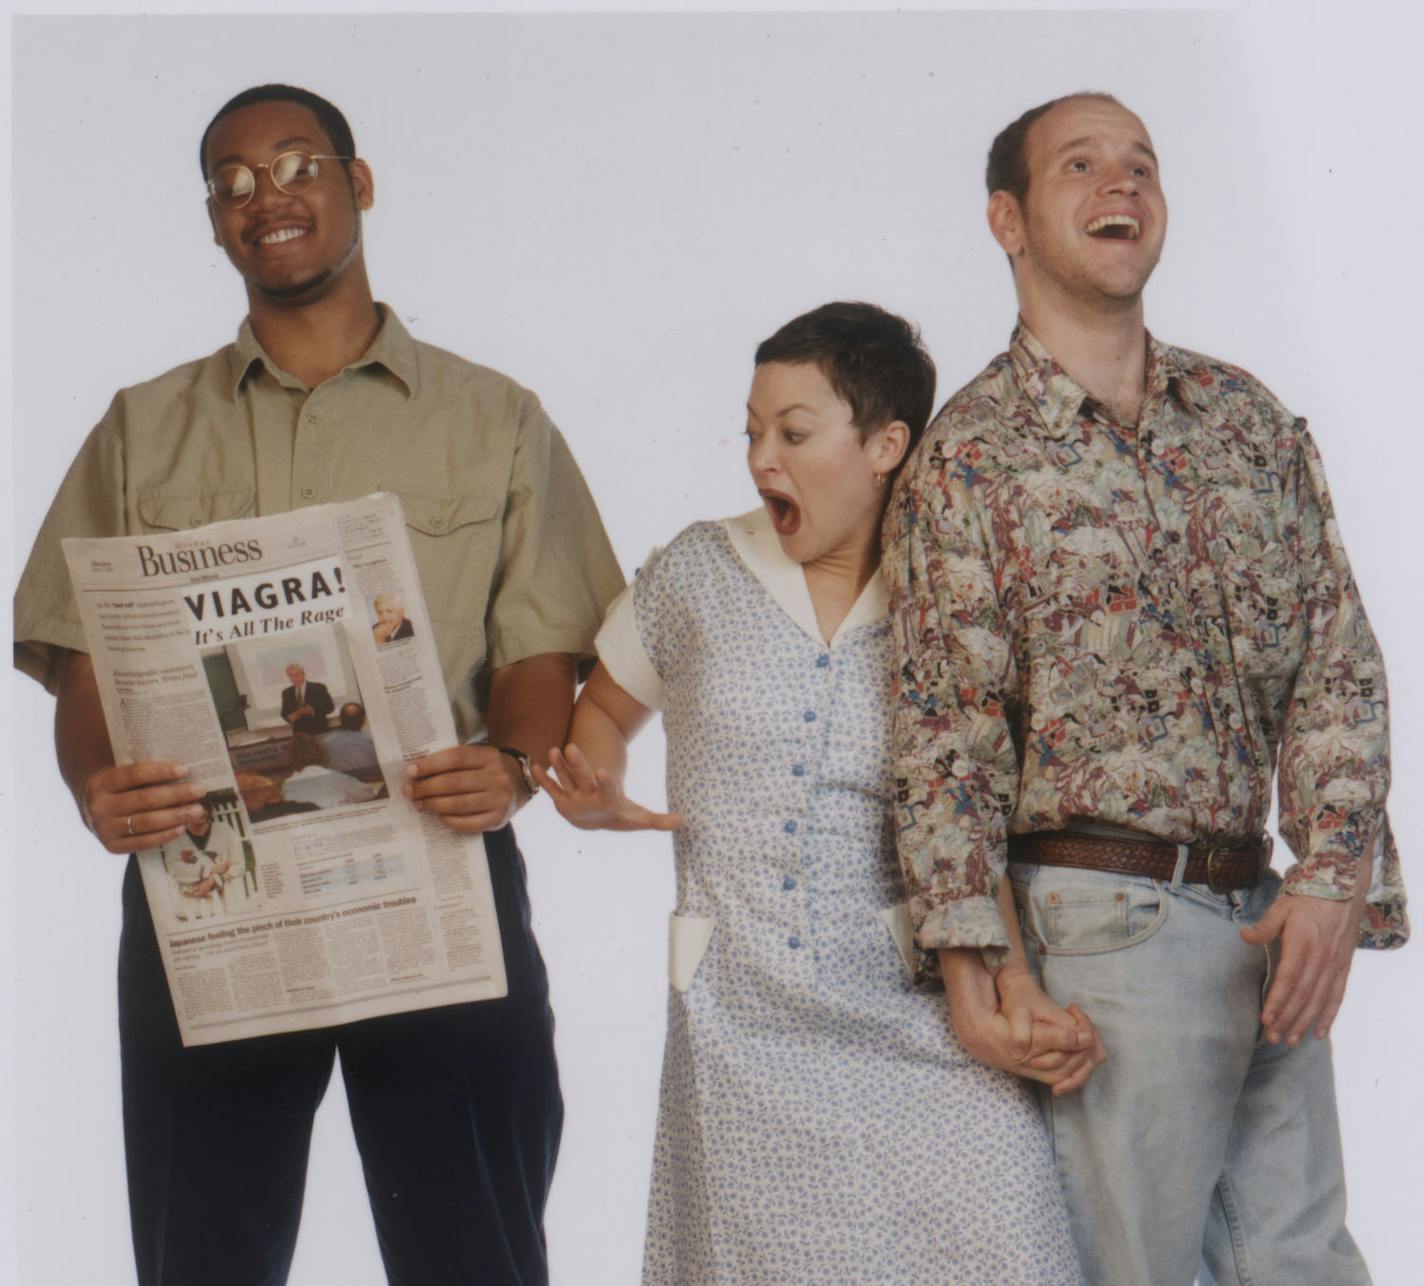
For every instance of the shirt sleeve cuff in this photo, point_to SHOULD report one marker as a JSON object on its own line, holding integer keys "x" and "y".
{"x": 1332, "y": 872}
{"x": 1333, "y": 856}
{"x": 507, "y": 648}
{"x": 964, "y": 922}
{"x": 39, "y": 646}
{"x": 620, "y": 648}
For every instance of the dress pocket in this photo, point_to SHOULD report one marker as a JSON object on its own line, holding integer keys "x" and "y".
{"x": 688, "y": 938}
{"x": 901, "y": 929}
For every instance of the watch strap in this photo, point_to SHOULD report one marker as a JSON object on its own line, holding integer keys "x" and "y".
{"x": 525, "y": 771}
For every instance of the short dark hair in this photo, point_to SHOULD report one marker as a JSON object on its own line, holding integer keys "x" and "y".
{"x": 1007, "y": 170}
{"x": 873, "y": 359}
{"x": 352, "y": 716}
{"x": 327, "y": 114}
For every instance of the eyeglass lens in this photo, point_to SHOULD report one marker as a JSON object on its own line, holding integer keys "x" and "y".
{"x": 291, "y": 172}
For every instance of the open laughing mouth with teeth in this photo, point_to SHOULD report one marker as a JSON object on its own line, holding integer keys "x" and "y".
{"x": 1114, "y": 227}
{"x": 279, "y": 235}
{"x": 785, "y": 512}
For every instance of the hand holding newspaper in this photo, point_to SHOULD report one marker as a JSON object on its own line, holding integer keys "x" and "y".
{"x": 289, "y": 662}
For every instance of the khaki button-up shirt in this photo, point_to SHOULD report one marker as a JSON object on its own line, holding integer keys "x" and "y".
{"x": 513, "y": 558}
{"x": 1132, "y": 627}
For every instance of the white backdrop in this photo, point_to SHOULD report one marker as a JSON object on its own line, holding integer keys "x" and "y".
{"x": 614, "y": 209}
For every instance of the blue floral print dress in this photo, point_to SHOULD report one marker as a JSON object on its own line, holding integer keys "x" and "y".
{"x": 818, "y": 1121}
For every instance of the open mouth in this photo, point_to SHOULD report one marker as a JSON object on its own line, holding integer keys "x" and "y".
{"x": 278, "y": 235}
{"x": 785, "y": 513}
{"x": 1114, "y": 227}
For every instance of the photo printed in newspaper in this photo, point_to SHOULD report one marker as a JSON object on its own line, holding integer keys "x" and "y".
{"x": 288, "y": 661}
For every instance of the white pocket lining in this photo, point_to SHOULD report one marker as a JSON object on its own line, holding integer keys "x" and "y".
{"x": 688, "y": 936}
{"x": 901, "y": 928}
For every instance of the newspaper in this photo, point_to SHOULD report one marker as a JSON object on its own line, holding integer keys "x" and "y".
{"x": 290, "y": 663}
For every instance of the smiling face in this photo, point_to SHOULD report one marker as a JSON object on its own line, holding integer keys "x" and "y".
{"x": 296, "y": 676}
{"x": 1091, "y": 225}
{"x": 815, "y": 472}
{"x": 287, "y": 248}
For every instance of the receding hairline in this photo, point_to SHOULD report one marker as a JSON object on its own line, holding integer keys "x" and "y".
{"x": 1007, "y": 167}
{"x": 1083, "y": 140}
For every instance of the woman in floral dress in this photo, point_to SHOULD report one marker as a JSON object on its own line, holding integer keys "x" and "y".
{"x": 819, "y": 1121}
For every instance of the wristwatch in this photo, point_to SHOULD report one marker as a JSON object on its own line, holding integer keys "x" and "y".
{"x": 522, "y": 760}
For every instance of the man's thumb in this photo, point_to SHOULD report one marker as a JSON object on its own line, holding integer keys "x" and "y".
{"x": 1267, "y": 928}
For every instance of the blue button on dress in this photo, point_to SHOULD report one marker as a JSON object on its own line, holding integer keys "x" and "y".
{"x": 818, "y": 1121}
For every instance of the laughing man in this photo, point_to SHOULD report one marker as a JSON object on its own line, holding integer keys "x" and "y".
{"x": 1122, "y": 607}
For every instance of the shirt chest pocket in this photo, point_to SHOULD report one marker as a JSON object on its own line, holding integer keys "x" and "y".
{"x": 179, "y": 512}
{"x": 456, "y": 541}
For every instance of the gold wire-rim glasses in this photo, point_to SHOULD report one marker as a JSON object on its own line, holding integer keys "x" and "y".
{"x": 300, "y": 180}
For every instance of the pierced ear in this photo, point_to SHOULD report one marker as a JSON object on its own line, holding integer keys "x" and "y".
{"x": 1006, "y": 222}
{"x": 891, "y": 443}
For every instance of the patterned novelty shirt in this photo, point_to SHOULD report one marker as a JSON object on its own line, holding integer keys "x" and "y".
{"x": 1131, "y": 627}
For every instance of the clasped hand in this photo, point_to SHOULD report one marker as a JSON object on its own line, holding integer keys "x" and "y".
{"x": 1007, "y": 1021}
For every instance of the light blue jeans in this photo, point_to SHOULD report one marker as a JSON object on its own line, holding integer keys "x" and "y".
{"x": 1198, "y": 1146}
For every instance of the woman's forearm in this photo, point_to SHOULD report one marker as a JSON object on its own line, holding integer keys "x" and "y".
{"x": 1009, "y": 911}
{"x": 605, "y": 720}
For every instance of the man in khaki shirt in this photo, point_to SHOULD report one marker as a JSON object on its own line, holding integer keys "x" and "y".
{"x": 323, "y": 397}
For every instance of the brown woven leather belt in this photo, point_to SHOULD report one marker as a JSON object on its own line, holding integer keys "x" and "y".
{"x": 1236, "y": 864}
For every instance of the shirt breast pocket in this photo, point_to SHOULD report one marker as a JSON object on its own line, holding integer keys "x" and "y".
{"x": 194, "y": 509}
{"x": 455, "y": 540}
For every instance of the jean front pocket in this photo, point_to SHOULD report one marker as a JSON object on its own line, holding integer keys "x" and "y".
{"x": 1090, "y": 912}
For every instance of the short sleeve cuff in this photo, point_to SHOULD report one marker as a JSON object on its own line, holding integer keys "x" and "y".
{"x": 39, "y": 646}
{"x": 507, "y": 647}
{"x": 620, "y": 648}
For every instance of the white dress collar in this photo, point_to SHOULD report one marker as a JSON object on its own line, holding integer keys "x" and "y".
{"x": 759, "y": 547}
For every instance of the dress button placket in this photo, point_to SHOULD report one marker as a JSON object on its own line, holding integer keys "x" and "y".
{"x": 790, "y": 883}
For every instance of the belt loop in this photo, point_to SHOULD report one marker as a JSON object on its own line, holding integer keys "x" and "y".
{"x": 1183, "y": 850}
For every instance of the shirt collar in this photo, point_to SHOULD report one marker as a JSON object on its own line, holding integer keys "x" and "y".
{"x": 759, "y": 547}
{"x": 393, "y": 348}
{"x": 1057, "y": 399}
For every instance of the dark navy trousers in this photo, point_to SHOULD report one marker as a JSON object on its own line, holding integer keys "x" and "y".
{"x": 456, "y": 1112}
